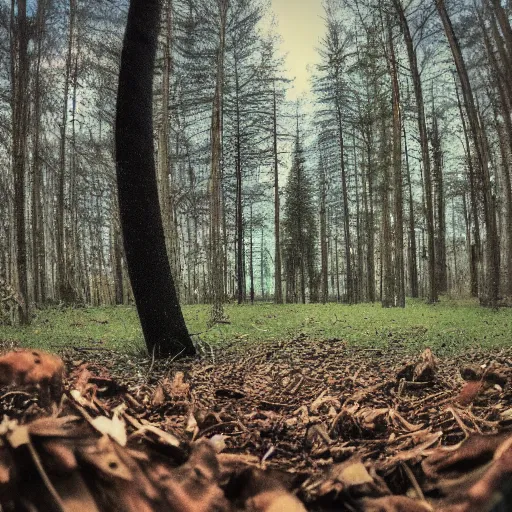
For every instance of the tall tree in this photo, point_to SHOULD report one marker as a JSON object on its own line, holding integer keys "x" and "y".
{"x": 425, "y": 154}
{"x": 155, "y": 295}
{"x": 20, "y": 112}
{"x": 478, "y": 135}
{"x": 332, "y": 88}
{"x": 278, "y": 286}
{"x": 399, "y": 270}
{"x": 216, "y": 253}
{"x": 300, "y": 230}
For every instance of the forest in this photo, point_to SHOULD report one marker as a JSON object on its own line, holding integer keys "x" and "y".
{"x": 392, "y": 178}
{"x": 223, "y": 291}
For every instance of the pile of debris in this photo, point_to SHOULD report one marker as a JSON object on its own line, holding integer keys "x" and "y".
{"x": 92, "y": 442}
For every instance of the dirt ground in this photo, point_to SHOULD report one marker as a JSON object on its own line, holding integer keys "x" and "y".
{"x": 322, "y": 424}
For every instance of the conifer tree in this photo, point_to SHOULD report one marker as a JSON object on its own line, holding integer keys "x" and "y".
{"x": 300, "y": 231}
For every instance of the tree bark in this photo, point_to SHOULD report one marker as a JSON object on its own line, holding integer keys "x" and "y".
{"x": 492, "y": 254}
{"x": 346, "y": 210}
{"x": 164, "y": 160}
{"x": 216, "y": 254}
{"x": 425, "y": 155}
{"x": 239, "y": 208}
{"x": 62, "y": 282}
{"x": 323, "y": 235}
{"x": 475, "y": 248}
{"x": 399, "y": 270}
{"x": 155, "y": 295}
{"x": 38, "y": 238}
{"x": 278, "y": 284}
{"x": 413, "y": 264}
{"x": 20, "y": 111}
{"x": 439, "y": 199}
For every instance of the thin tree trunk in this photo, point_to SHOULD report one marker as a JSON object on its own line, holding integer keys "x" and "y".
{"x": 239, "y": 210}
{"x": 164, "y": 188}
{"x": 323, "y": 234}
{"x": 439, "y": 200}
{"x": 455, "y": 279}
{"x": 370, "y": 229}
{"x": 278, "y": 286}
{"x": 215, "y": 180}
{"x": 62, "y": 283}
{"x": 476, "y": 251}
{"x": 20, "y": 111}
{"x": 492, "y": 254}
{"x": 346, "y": 210}
{"x": 413, "y": 265}
{"x": 38, "y": 238}
{"x": 425, "y": 155}
{"x": 504, "y": 91}
{"x": 251, "y": 260}
{"x": 387, "y": 288}
{"x": 360, "y": 268}
{"x": 399, "y": 270}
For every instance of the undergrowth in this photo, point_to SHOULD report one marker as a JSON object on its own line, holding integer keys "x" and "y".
{"x": 447, "y": 327}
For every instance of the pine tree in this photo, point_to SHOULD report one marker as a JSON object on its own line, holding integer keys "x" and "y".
{"x": 300, "y": 232}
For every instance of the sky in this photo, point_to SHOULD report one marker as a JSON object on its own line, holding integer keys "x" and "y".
{"x": 301, "y": 27}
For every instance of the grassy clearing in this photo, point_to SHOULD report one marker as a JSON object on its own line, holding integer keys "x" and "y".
{"x": 450, "y": 326}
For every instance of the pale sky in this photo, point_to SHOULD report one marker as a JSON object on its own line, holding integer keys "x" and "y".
{"x": 301, "y": 26}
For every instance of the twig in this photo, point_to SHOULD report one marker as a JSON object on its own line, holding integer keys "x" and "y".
{"x": 414, "y": 482}
{"x": 151, "y": 365}
{"x": 225, "y": 424}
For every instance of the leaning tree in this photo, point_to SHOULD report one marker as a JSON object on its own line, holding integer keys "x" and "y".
{"x": 153, "y": 287}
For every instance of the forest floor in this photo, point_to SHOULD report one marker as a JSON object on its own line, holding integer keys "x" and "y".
{"x": 449, "y": 327}
{"x": 347, "y": 402}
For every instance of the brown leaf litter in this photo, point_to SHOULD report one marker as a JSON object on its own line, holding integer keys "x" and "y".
{"x": 302, "y": 425}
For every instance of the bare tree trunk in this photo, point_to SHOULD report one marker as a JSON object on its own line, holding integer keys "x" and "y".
{"x": 370, "y": 228}
{"x": 360, "y": 266}
{"x": 251, "y": 259}
{"x": 439, "y": 199}
{"x": 399, "y": 270}
{"x": 164, "y": 188}
{"x": 475, "y": 249}
{"x": 62, "y": 283}
{"x": 504, "y": 23}
{"x": 413, "y": 265}
{"x": 118, "y": 266}
{"x": 503, "y": 82}
{"x": 72, "y": 260}
{"x": 239, "y": 208}
{"x": 278, "y": 285}
{"x": 215, "y": 180}
{"x": 20, "y": 111}
{"x": 455, "y": 279}
{"x": 492, "y": 254}
{"x": 162, "y": 321}
{"x": 425, "y": 156}
{"x": 323, "y": 234}
{"x": 262, "y": 266}
{"x": 387, "y": 288}
{"x": 346, "y": 210}
{"x": 38, "y": 238}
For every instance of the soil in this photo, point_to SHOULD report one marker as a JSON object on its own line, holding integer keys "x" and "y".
{"x": 323, "y": 424}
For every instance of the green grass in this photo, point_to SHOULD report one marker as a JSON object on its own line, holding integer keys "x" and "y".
{"x": 450, "y": 326}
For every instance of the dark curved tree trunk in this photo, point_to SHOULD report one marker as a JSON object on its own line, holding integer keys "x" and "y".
{"x": 155, "y": 295}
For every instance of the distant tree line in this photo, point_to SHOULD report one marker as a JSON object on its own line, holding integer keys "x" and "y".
{"x": 394, "y": 180}
{"x": 414, "y": 141}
